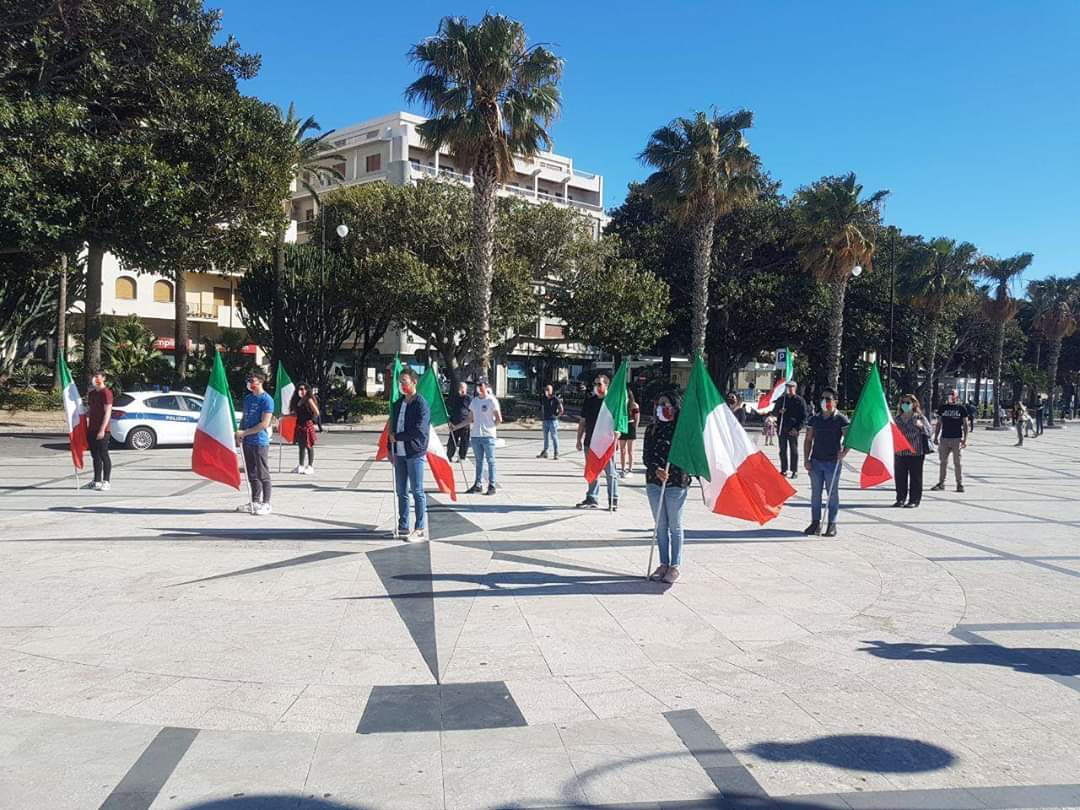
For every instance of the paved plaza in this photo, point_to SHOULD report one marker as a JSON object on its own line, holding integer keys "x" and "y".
{"x": 160, "y": 650}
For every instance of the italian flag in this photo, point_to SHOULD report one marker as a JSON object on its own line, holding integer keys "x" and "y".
{"x": 874, "y": 432}
{"x": 213, "y": 455}
{"x": 383, "y": 453}
{"x": 736, "y": 478}
{"x": 283, "y": 392}
{"x": 439, "y": 463}
{"x": 611, "y": 421}
{"x": 78, "y": 438}
{"x": 768, "y": 399}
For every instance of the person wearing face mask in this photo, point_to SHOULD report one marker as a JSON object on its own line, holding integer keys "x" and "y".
{"x": 791, "y": 412}
{"x": 668, "y": 511}
{"x": 908, "y": 464}
{"x": 484, "y": 416}
{"x": 254, "y": 435}
{"x": 410, "y": 420}
{"x": 590, "y": 412}
{"x": 99, "y": 411}
{"x": 306, "y": 407}
{"x": 824, "y": 451}
{"x": 951, "y": 436}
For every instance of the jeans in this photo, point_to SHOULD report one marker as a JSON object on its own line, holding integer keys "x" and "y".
{"x": 1019, "y": 432}
{"x": 484, "y": 446}
{"x": 258, "y": 471}
{"x": 823, "y": 475}
{"x": 669, "y": 528}
{"x": 945, "y": 448}
{"x": 551, "y": 428}
{"x": 612, "y": 483}
{"x": 909, "y": 470}
{"x": 99, "y": 452}
{"x": 409, "y": 475}
{"x": 789, "y": 447}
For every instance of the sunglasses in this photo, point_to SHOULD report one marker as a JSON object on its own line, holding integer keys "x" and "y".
{"x": 827, "y": 399}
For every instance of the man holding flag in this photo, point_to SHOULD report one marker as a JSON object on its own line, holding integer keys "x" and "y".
{"x": 76, "y": 417}
{"x": 603, "y": 418}
{"x": 254, "y": 433}
{"x": 824, "y": 453}
{"x": 410, "y": 424}
{"x": 99, "y": 412}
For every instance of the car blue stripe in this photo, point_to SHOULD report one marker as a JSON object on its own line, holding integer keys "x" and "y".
{"x": 157, "y": 417}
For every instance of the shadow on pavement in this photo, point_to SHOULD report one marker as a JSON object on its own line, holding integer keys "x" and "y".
{"x": 859, "y": 752}
{"x": 273, "y": 802}
{"x": 1033, "y": 660}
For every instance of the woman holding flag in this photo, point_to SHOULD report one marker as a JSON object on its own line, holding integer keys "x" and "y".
{"x": 666, "y": 485}
{"x": 306, "y": 408}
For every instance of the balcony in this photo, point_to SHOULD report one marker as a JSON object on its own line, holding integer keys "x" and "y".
{"x": 306, "y": 226}
{"x": 196, "y": 312}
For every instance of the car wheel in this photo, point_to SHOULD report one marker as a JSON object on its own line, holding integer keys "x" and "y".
{"x": 141, "y": 438}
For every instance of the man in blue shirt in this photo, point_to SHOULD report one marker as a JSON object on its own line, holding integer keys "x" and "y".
{"x": 254, "y": 433}
{"x": 824, "y": 451}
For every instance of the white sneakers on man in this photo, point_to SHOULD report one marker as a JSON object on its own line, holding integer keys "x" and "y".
{"x": 309, "y": 470}
{"x": 298, "y": 470}
{"x": 262, "y": 509}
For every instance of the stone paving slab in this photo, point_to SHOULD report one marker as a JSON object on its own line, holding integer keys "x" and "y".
{"x": 159, "y": 649}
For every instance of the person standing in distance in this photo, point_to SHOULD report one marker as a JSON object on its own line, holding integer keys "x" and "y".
{"x": 824, "y": 452}
{"x": 484, "y": 415}
{"x": 410, "y": 421}
{"x": 99, "y": 402}
{"x": 626, "y": 443}
{"x": 306, "y": 407}
{"x": 668, "y": 514}
{"x": 951, "y": 436}
{"x": 254, "y": 435}
{"x": 790, "y": 411}
{"x": 908, "y": 464}
{"x": 551, "y": 408}
{"x": 590, "y": 412}
{"x": 459, "y": 422}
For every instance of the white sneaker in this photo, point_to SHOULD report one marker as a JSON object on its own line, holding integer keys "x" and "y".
{"x": 416, "y": 536}
{"x": 106, "y": 485}
{"x": 309, "y": 470}
{"x": 245, "y": 507}
{"x": 298, "y": 470}
{"x": 262, "y": 509}
{"x": 92, "y": 485}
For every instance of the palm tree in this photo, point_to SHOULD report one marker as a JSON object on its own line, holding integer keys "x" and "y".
{"x": 311, "y": 167}
{"x": 704, "y": 169}
{"x": 1054, "y": 299}
{"x": 836, "y": 232}
{"x": 491, "y": 96}
{"x": 938, "y": 275}
{"x": 1001, "y": 308}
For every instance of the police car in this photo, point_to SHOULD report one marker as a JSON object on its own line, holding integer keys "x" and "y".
{"x": 142, "y": 420}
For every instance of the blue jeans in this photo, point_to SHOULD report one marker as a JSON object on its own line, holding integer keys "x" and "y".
{"x": 612, "y": 483}
{"x": 484, "y": 446}
{"x": 823, "y": 476}
{"x": 551, "y": 428}
{"x": 669, "y": 530}
{"x": 409, "y": 475}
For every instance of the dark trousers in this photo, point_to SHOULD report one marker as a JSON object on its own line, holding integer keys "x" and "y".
{"x": 908, "y": 472}
{"x": 789, "y": 451}
{"x": 99, "y": 452}
{"x": 459, "y": 440}
{"x": 1038, "y": 423}
{"x": 258, "y": 472}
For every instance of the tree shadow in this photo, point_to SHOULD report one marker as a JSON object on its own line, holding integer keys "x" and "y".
{"x": 859, "y": 752}
{"x": 524, "y": 583}
{"x": 1032, "y": 660}
{"x": 135, "y": 510}
{"x": 273, "y": 802}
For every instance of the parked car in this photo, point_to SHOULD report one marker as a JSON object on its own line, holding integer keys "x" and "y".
{"x": 142, "y": 420}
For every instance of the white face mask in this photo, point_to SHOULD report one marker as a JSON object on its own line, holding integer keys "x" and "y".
{"x": 661, "y": 415}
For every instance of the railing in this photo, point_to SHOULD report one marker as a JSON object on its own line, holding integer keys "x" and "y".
{"x": 200, "y": 314}
{"x": 521, "y": 192}
{"x": 305, "y": 226}
{"x": 464, "y": 178}
{"x": 420, "y": 168}
{"x": 586, "y": 175}
{"x": 586, "y": 206}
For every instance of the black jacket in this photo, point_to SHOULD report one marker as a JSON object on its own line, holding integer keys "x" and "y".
{"x": 417, "y": 422}
{"x": 790, "y": 412}
{"x": 657, "y": 446}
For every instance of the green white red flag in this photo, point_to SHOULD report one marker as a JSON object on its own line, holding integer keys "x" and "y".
{"x": 873, "y": 431}
{"x": 438, "y": 461}
{"x": 75, "y": 412}
{"x": 611, "y": 422}
{"x": 383, "y": 453}
{"x": 769, "y": 398}
{"x": 736, "y": 478}
{"x": 213, "y": 454}
{"x": 283, "y": 394}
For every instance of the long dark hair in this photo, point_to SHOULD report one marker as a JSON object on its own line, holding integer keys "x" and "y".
{"x": 294, "y": 403}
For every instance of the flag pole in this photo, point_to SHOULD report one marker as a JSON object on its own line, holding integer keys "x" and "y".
{"x": 393, "y": 478}
{"x": 280, "y": 447}
{"x": 660, "y": 511}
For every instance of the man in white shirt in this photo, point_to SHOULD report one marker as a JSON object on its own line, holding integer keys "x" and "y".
{"x": 484, "y": 415}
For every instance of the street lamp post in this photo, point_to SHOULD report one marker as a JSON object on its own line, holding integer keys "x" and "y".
{"x": 892, "y": 301}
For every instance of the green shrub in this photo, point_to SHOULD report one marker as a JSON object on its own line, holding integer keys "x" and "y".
{"x": 29, "y": 399}
{"x": 366, "y": 406}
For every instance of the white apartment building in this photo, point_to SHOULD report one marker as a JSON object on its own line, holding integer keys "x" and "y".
{"x": 389, "y": 149}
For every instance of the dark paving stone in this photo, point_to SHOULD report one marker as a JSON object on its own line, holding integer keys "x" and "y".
{"x": 435, "y": 707}
{"x": 144, "y": 780}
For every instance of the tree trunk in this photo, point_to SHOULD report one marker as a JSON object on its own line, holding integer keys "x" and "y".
{"x": 1052, "y": 358}
{"x": 92, "y": 318}
{"x": 61, "y": 316}
{"x": 277, "y": 317}
{"x": 485, "y": 188}
{"x": 180, "y": 327}
{"x": 665, "y": 364}
{"x": 928, "y": 383}
{"x": 836, "y": 333}
{"x": 999, "y": 350}
{"x": 978, "y": 390}
{"x": 702, "y": 259}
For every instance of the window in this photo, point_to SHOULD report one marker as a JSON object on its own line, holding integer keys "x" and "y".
{"x": 163, "y": 292}
{"x": 192, "y": 403}
{"x": 125, "y": 288}
{"x": 309, "y": 214}
{"x": 222, "y": 297}
{"x": 554, "y": 331}
{"x": 342, "y": 169}
{"x": 372, "y": 163}
{"x": 169, "y": 403}
{"x": 122, "y": 400}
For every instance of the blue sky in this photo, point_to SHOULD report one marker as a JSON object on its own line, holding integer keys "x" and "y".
{"x": 968, "y": 111}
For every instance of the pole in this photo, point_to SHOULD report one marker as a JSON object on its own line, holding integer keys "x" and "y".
{"x": 832, "y": 486}
{"x": 660, "y": 511}
{"x": 892, "y": 298}
{"x": 280, "y": 447}
{"x": 393, "y": 471}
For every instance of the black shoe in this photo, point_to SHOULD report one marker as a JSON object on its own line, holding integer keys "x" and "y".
{"x": 959, "y": 487}
{"x": 911, "y": 504}
{"x": 794, "y": 473}
{"x": 555, "y": 457}
{"x": 813, "y": 528}
{"x": 615, "y": 505}
{"x": 490, "y": 491}
{"x": 472, "y": 490}
{"x": 588, "y": 503}
{"x": 542, "y": 454}
{"x": 898, "y": 504}
{"x": 938, "y": 487}
{"x": 830, "y": 530}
